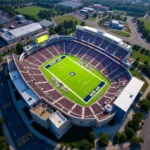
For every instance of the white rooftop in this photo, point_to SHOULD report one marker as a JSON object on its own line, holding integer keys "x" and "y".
{"x": 25, "y": 29}
{"x": 21, "y": 31}
{"x": 88, "y": 8}
{"x": 57, "y": 119}
{"x": 112, "y": 37}
{"x": 107, "y": 35}
{"x": 30, "y": 97}
{"x": 14, "y": 74}
{"x": 128, "y": 95}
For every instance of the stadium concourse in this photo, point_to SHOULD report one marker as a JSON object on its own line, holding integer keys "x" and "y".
{"x": 108, "y": 54}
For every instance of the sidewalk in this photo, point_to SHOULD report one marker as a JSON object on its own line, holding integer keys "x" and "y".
{"x": 6, "y": 133}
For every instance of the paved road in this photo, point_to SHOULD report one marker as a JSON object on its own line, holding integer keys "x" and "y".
{"x": 145, "y": 134}
{"x": 20, "y": 134}
{"x": 134, "y": 39}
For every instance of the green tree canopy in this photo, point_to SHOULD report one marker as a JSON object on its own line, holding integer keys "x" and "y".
{"x": 116, "y": 138}
{"x": 148, "y": 96}
{"x": 144, "y": 105}
{"x": 123, "y": 137}
{"x": 92, "y": 136}
{"x": 136, "y": 140}
{"x": 103, "y": 140}
{"x": 19, "y": 48}
{"x": 129, "y": 132}
{"x": 85, "y": 145}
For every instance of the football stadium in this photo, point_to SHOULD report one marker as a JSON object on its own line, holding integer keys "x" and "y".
{"x": 82, "y": 79}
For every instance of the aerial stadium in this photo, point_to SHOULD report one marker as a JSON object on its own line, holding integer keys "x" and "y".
{"x": 82, "y": 79}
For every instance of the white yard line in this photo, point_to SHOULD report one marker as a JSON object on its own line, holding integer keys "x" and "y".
{"x": 85, "y": 69}
{"x": 64, "y": 84}
{"x": 71, "y": 89}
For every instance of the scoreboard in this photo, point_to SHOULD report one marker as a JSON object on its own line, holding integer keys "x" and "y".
{"x": 41, "y": 38}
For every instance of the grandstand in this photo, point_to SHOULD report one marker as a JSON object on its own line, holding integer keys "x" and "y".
{"x": 100, "y": 51}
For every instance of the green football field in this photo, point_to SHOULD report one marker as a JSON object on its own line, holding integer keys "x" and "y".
{"x": 84, "y": 84}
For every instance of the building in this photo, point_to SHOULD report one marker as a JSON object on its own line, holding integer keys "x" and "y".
{"x": 100, "y": 7}
{"x": 127, "y": 97}
{"x": 59, "y": 124}
{"x": 46, "y": 24}
{"x": 15, "y": 35}
{"x": 69, "y": 4}
{"x": 41, "y": 114}
{"x": 111, "y": 55}
{"x": 20, "y": 17}
{"x": 83, "y": 11}
{"x": 116, "y": 24}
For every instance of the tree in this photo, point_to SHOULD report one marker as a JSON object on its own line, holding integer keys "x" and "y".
{"x": 144, "y": 105}
{"x": 135, "y": 64}
{"x": 123, "y": 137}
{"x": 1, "y": 121}
{"x": 103, "y": 140}
{"x": 87, "y": 16}
{"x": 82, "y": 23}
{"x": 84, "y": 145}
{"x": 148, "y": 96}
{"x": 146, "y": 70}
{"x": 94, "y": 15}
{"x": 19, "y": 48}
{"x": 136, "y": 140}
{"x": 135, "y": 122}
{"x": 129, "y": 132}
{"x": 146, "y": 62}
{"x": 92, "y": 136}
{"x": 116, "y": 138}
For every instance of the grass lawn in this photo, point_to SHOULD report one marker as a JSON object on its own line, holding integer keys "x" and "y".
{"x": 120, "y": 33}
{"x": 142, "y": 57}
{"x": 92, "y": 19}
{"x": 67, "y": 18}
{"x": 127, "y": 27}
{"x": 84, "y": 86}
{"x": 31, "y": 10}
{"x": 138, "y": 75}
{"x": 146, "y": 23}
{"x": 118, "y": 11}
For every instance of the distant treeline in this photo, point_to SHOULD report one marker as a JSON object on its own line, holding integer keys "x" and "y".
{"x": 136, "y": 10}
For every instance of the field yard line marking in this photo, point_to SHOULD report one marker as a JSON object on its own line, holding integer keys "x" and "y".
{"x": 65, "y": 85}
{"x": 85, "y": 69}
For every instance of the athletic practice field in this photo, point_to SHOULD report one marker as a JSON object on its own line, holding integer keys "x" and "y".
{"x": 84, "y": 83}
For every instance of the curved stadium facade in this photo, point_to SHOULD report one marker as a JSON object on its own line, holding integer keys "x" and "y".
{"x": 90, "y": 49}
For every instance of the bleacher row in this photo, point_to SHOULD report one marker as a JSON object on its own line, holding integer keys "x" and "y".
{"x": 29, "y": 69}
{"x": 102, "y": 43}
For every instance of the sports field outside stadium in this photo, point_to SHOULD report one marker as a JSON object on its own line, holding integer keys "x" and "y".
{"x": 85, "y": 84}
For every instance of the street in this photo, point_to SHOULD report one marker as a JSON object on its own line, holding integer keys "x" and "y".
{"x": 20, "y": 134}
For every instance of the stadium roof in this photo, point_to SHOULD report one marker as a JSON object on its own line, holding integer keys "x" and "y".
{"x": 18, "y": 32}
{"x": 128, "y": 95}
{"x": 112, "y": 37}
{"x": 18, "y": 82}
{"x": 30, "y": 97}
{"x": 107, "y": 35}
{"x": 21, "y": 87}
{"x": 70, "y": 4}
